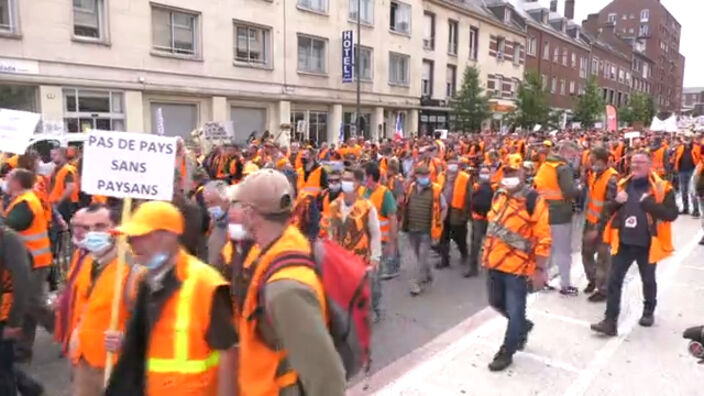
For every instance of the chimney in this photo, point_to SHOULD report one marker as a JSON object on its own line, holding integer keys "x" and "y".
{"x": 553, "y": 5}
{"x": 569, "y": 9}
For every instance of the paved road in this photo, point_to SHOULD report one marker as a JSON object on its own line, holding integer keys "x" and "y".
{"x": 440, "y": 342}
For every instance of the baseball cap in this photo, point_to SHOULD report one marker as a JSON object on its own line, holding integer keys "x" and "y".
{"x": 153, "y": 216}
{"x": 268, "y": 191}
{"x": 514, "y": 161}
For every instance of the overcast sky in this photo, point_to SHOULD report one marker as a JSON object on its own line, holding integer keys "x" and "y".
{"x": 688, "y": 13}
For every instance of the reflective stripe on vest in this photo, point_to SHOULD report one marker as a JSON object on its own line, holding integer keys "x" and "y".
{"x": 511, "y": 238}
{"x": 180, "y": 363}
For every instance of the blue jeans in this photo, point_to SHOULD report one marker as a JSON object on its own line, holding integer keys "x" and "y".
{"x": 685, "y": 177}
{"x": 390, "y": 264}
{"x": 508, "y": 294}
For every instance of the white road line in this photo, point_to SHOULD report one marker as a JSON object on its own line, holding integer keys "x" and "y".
{"x": 603, "y": 355}
{"x": 692, "y": 267}
{"x": 561, "y": 318}
{"x": 550, "y": 362}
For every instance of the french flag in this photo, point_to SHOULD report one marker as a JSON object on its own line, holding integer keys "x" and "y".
{"x": 398, "y": 132}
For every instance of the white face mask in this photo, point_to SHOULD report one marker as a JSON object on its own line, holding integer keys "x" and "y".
{"x": 452, "y": 168}
{"x": 510, "y": 182}
{"x": 484, "y": 177}
{"x": 236, "y": 232}
{"x": 347, "y": 186}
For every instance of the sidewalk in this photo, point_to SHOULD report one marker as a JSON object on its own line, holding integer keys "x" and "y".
{"x": 563, "y": 355}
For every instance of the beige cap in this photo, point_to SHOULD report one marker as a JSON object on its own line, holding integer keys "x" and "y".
{"x": 268, "y": 191}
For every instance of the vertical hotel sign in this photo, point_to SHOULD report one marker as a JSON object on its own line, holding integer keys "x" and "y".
{"x": 347, "y": 56}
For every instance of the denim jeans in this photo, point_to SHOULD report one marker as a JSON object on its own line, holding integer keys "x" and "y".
{"x": 687, "y": 195}
{"x": 620, "y": 263}
{"x": 508, "y": 294}
{"x": 390, "y": 264}
{"x": 420, "y": 247}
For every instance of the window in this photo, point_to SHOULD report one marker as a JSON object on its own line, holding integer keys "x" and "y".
{"x": 564, "y": 57}
{"x": 311, "y": 54}
{"x": 400, "y": 20}
{"x": 451, "y": 77}
{"x": 507, "y": 15}
{"x": 365, "y": 63}
{"x": 612, "y": 18}
{"x": 314, "y": 5}
{"x": 644, "y": 15}
{"x": 473, "y": 43}
{"x": 367, "y": 11}
{"x": 553, "y": 85}
{"x": 516, "y": 53}
{"x": 562, "y": 87}
{"x": 621, "y": 75}
{"x": 546, "y": 51}
{"x": 544, "y": 79}
{"x": 556, "y": 55}
{"x": 88, "y": 19}
{"x": 532, "y": 43}
{"x": 428, "y": 31}
{"x": 179, "y": 118}
{"x": 398, "y": 68}
{"x": 613, "y": 73}
{"x": 606, "y": 69}
{"x": 492, "y": 85}
{"x": 89, "y": 109}
{"x": 8, "y": 12}
{"x": 174, "y": 32}
{"x": 643, "y": 30}
{"x": 582, "y": 67}
{"x": 500, "y": 48}
{"x": 426, "y": 83}
{"x": 252, "y": 45}
{"x": 452, "y": 39}
{"x": 574, "y": 60}
{"x": 571, "y": 87}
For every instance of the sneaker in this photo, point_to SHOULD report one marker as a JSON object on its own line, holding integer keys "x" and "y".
{"x": 524, "y": 336}
{"x": 646, "y": 320}
{"x": 548, "y": 288}
{"x": 469, "y": 272}
{"x": 415, "y": 289}
{"x": 599, "y": 296}
{"x": 606, "y": 327}
{"x": 590, "y": 288}
{"x": 569, "y": 291}
{"x": 390, "y": 275}
{"x": 502, "y": 359}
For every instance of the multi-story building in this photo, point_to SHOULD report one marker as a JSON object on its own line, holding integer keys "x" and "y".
{"x": 693, "y": 100}
{"x": 457, "y": 34}
{"x": 641, "y": 73}
{"x": 656, "y": 34}
{"x": 263, "y": 65}
{"x": 557, "y": 51}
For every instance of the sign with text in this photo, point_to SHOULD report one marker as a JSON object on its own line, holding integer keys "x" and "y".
{"x": 123, "y": 164}
{"x": 216, "y": 130}
{"x": 347, "y": 56}
{"x": 16, "y": 130}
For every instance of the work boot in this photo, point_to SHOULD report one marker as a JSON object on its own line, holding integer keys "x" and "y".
{"x": 695, "y": 214}
{"x": 524, "y": 335}
{"x": 445, "y": 263}
{"x": 599, "y": 296}
{"x": 590, "y": 288}
{"x": 502, "y": 359}
{"x": 647, "y": 319}
{"x": 684, "y": 212}
{"x": 606, "y": 327}
{"x": 470, "y": 272}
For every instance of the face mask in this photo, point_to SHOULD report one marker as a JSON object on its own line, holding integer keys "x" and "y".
{"x": 334, "y": 187}
{"x": 347, "y": 186}
{"x": 452, "y": 168}
{"x": 484, "y": 177}
{"x": 156, "y": 261}
{"x": 424, "y": 181}
{"x": 236, "y": 231}
{"x": 216, "y": 212}
{"x": 97, "y": 242}
{"x": 3, "y": 185}
{"x": 510, "y": 182}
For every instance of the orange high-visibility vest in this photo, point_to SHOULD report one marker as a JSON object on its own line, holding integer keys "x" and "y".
{"x": 57, "y": 189}
{"x": 377, "y": 198}
{"x": 260, "y": 371}
{"x": 661, "y": 242}
{"x": 459, "y": 194}
{"x": 41, "y": 189}
{"x": 92, "y": 310}
{"x": 696, "y": 155}
{"x": 597, "y": 194}
{"x": 658, "y": 158}
{"x": 546, "y": 181}
{"x": 36, "y": 237}
{"x": 310, "y": 186}
{"x": 179, "y": 360}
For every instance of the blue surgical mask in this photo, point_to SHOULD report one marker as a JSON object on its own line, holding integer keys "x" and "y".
{"x": 156, "y": 261}
{"x": 97, "y": 242}
{"x": 216, "y": 212}
{"x": 424, "y": 181}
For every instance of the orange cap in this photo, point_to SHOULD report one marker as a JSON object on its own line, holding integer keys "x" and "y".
{"x": 153, "y": 216}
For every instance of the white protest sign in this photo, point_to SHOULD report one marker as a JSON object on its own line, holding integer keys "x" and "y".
{"x": 632, "y": 135}
{"x": 16, "y": 129}
{"x": 123, "y": 164}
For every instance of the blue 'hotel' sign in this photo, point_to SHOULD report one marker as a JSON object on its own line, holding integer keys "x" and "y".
{"x": 347, "y": 56}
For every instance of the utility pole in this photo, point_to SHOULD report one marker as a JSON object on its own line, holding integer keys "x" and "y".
{"x": 358, "y": 121}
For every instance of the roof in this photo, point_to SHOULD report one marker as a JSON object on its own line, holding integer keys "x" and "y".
{"x": 480, "y": 9}
{"x": 522, "y": 9}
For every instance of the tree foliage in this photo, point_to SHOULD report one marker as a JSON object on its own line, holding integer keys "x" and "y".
{"x": 590, "y": 105}
{"x": 639, "y": 110}
{"x": 470, "y": 105}
{"x": 532, "y": 105}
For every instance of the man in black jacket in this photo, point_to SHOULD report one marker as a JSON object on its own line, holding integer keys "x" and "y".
{"x": 640, "y": 214}
{"x": 481, "y": 204}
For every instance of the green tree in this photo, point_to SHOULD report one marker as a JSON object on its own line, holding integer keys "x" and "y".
{"x": 470, "y": 106}
{"x": 531, "y": 102}
{"x": 590, "y": 105}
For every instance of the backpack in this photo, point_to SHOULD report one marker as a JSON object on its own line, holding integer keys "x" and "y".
{"x": 348, "y": 296}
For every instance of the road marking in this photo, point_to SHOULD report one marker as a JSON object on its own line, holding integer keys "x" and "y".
{"x": 561, "y": 318}
{"x": 550, "y": 362}
{"x": 605, "y": 353}
{"x": 692, "y": 267}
